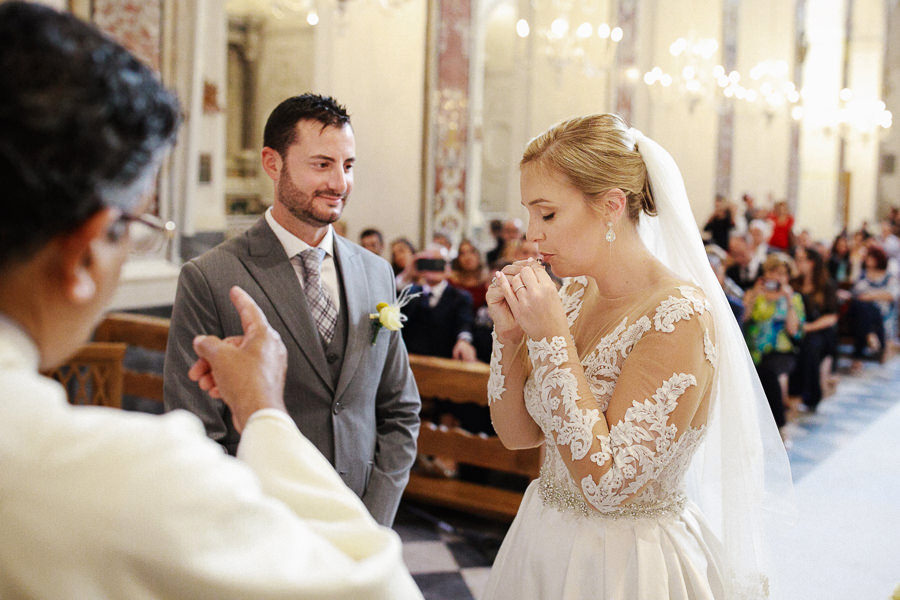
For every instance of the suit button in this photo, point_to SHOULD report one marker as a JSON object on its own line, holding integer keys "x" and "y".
{"x": 331, "y": 357}
{"x": 338, "y": 407}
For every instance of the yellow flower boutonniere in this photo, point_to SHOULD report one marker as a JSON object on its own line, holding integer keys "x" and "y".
{"x": 389, "y": 316}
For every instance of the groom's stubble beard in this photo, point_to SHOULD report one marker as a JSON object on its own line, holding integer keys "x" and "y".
{"x": 302, "y": 205}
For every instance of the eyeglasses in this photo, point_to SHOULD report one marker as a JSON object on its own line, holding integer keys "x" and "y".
{"x": 146, "y": 233}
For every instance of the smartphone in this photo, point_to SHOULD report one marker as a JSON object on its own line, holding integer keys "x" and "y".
{"x": 430, "y": 264}
{"x": 772, "y": 285}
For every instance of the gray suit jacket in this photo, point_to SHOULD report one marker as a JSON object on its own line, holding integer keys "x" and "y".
{"x": 367, "y": 424}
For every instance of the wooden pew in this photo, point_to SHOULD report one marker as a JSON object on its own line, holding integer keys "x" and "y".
{"x": 436, "y": 378}
{"x": 149, "y": 333}
{"x": 465, "y": 382}
{"x": 93, "y": 375}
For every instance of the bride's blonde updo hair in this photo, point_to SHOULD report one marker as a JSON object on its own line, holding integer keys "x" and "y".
{"x": 596, "y": 153}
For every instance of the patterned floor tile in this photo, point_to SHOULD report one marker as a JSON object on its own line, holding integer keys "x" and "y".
{"x": 428, "y": 557}
{"x": 443, "y": 586}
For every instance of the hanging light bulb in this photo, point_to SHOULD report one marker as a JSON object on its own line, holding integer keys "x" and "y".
{"x": 559, "y": 27}
{"x": 522, "y": 28}
{"x": 603, "y": 30}
{"x": 616, "y": 34}
{"x": 312, "y": 18}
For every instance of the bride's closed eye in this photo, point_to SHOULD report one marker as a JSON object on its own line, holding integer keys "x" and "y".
{"x": 548, "y": 216}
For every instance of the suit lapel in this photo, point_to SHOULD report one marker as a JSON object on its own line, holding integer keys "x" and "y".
{"x": 270, "y": 267}
{"x": 355, "y": 281}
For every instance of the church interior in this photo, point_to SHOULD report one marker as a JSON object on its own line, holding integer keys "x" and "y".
{"x": 763, "y": 104}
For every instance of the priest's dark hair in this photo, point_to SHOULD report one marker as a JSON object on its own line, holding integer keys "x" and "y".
{"x": 82, "y": 121}
{"x": 281, "y": 126}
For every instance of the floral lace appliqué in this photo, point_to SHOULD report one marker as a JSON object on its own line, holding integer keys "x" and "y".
{"x": 710, "y": 350}
{"x": 642, "y": 461}
{"x": 559, "y": 391}
{"x": 572, "y": 296}
{"x": 673, "y": 309}
{"x": 601, "y": 366}
{"x": 496, "y": 379}
{"x": 640, "y": 447}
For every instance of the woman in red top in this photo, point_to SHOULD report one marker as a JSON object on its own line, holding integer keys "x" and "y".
{"x": 470, "y": 273}
{"x": 782, "y": 224}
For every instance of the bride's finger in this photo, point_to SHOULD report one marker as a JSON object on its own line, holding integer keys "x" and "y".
{"x": 529, "y": 279}
{"x": 544, "y": 277}
{"x": 506, "y": 287}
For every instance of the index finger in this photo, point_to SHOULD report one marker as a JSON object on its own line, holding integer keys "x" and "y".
{"x": 252, "y": 316}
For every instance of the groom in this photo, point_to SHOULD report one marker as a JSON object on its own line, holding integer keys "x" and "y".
{"x": 355, "y": 400}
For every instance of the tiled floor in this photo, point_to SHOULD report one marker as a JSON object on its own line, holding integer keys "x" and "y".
{"x": 450, "y": 554}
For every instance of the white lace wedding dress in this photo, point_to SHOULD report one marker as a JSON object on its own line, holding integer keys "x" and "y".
{"x": 622, "y": 411}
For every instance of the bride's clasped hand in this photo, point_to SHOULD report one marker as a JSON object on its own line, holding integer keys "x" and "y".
{"x": 526, "y": 300}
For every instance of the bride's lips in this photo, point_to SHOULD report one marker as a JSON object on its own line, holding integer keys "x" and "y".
{"x": 545, "y": 257}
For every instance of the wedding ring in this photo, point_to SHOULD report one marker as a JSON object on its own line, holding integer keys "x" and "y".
{"x": 493, "y": 281}
{"x": 519, "y": 288}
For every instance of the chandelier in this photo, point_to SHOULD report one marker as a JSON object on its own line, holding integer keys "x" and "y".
{"x": 767, "y": 87}
{"x": 307, "y": 10}
{"x": 572, "y": 34}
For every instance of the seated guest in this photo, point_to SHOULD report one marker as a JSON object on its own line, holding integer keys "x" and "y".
{"x": 733, "y": 292}
{"x": 740, "y": 270}
{"x": 782, "y": 223}
{"x": 372, "y": 240}
{"x": 720, "y": 223}
{"x": 469, "y": 273}
{"x": 101, "y": 503}
{"x": 759, "y": 232}
{"x": 773, "y": 326}
{"x": 873, "y": 309}
{"x": 820, "y": 305}
{"x": 439, "y": 320}
{"x": 839, "y": 259}
{"x": 442, "y": 239}
{"x": 402, "y": 251}
{"x": 526, "y": 249}
{"x": 510, "y": 234}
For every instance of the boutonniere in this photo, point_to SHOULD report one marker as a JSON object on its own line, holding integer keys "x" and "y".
{"x": 389, "y": 316}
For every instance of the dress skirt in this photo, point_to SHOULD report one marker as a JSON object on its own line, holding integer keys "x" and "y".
{"x": 560, "y": 554}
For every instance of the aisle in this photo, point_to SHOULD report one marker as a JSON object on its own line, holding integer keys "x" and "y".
{"x": 846, "y": 544}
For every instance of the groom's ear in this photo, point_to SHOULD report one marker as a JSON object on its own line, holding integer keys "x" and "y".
{"x": 272, "y": 163}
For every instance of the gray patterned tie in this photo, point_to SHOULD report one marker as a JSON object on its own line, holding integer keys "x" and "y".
{"x": 321, "y": 304}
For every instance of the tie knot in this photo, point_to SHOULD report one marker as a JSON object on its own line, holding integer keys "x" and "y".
{"x": 312, "y": 260}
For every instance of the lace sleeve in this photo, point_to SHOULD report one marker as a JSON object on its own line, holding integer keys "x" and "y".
{"x": 658, "y": 395}
{"x": 496, "y": 379}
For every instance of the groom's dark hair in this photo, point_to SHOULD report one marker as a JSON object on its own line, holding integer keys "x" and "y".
{"x": 281, "y": 126}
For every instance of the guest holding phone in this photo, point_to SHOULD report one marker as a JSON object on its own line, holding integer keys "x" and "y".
{"x": 439, "y": 321}
{"x": 773, "y": 326}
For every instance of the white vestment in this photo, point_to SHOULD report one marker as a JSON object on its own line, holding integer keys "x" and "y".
{"x": 101, "y": 503}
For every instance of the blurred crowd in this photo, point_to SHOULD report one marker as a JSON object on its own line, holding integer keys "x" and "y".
{"x": 801, "y": 302}
{"x": 804, "y": 302}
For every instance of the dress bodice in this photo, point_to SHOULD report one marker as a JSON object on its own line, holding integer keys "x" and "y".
{"x": 624, "y": 410}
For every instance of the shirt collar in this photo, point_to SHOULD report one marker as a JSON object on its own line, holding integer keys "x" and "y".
{"x": 294, "y": 245}
{"x": 17, "y": 349}
{"x": 435, "y": 291}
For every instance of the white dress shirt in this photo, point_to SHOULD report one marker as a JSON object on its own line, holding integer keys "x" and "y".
{"x": 293, "y": 246}
{"x": 103, "y": 503}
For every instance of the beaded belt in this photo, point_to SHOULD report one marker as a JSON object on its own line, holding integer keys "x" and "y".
{"x": 562, "y": 498}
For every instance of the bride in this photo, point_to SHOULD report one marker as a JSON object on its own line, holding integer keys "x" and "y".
{"x": 662, "y": 463}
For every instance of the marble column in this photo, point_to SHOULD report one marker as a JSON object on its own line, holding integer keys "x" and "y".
{"x": 725, "y": 135}
{"x": 448, "y": 117}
